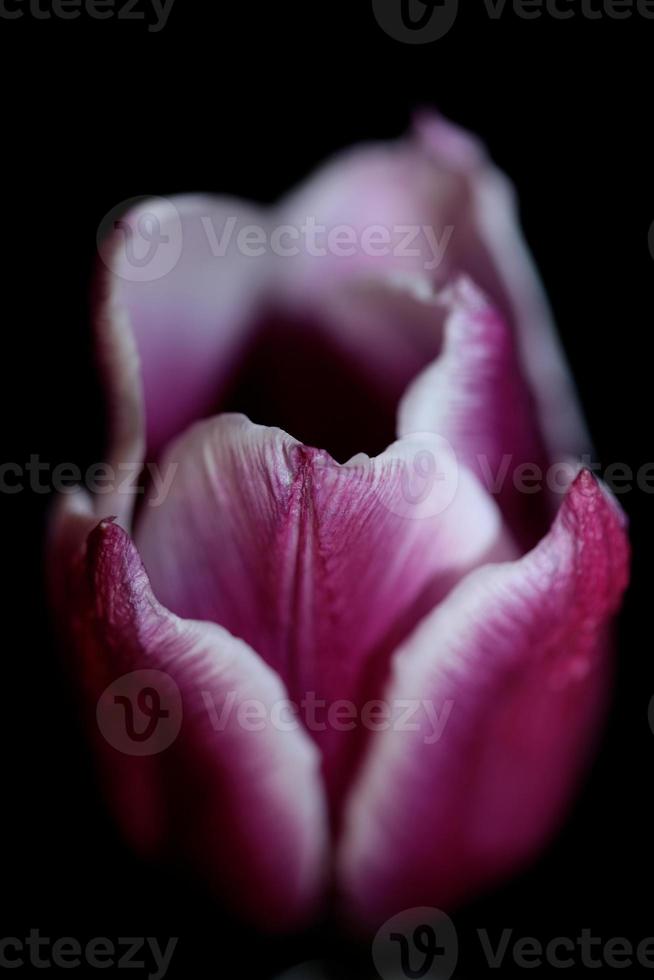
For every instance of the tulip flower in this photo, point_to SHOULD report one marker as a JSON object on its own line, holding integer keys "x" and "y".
{"x": 378, "y": 658}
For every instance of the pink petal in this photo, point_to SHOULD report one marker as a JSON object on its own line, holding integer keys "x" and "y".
{"x": 519, "y": 651}
{"x": 189, "y": 309}
{"x": 475, "y": 396}
{"x": 491, "y": 249}
{"x": 439, "y": 178}
{"x": 321, "y": 568}
{"x": 245, "y": 807}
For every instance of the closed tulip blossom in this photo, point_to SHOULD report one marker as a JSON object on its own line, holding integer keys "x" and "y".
{"x": 347, "y": 562}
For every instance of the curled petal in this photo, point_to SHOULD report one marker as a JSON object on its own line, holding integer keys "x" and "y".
{"x": 489, "y": 247}
{"x": 474, "y": 395}
{"x": 508, "y": 678}
{"x": 175, "y": 302}
{"x": 445, "y": 210}
{"x": 241, "y": 802}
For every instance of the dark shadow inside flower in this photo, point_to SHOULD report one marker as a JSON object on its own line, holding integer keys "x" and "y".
{"x": 295, "y": 377}
{"x": 333, "y": 376}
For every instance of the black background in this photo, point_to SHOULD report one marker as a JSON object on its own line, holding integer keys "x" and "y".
{"x": 246, "y": 98}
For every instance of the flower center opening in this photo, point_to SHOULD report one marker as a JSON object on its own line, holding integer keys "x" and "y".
{"x": 295, "y": 376}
